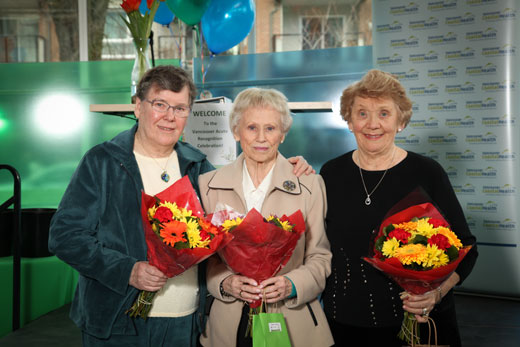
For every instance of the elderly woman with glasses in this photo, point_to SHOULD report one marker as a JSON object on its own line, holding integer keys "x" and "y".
{"x": 97, "y": 228}
{"x": 261, "y": 178}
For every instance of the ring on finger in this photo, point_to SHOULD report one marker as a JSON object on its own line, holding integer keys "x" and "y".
{"x": 240, "y": 294}
{"x": 425, "y": 312}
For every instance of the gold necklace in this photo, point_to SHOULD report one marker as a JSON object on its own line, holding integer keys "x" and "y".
{"x": 164, "y": 175}
{"x": 368, "y": 201}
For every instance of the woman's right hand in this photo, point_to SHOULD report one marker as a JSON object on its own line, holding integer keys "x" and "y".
{"x": 241, "y": 287}
{"x": 146, "y": 277}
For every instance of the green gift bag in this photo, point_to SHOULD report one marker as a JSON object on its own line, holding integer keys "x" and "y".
{"x": 269, "y": 330}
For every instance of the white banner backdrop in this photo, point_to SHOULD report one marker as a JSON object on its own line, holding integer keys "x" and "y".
{"x": 457, "y": 60}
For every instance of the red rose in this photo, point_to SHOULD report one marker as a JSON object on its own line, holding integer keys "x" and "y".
{"x": 400, "y": 234}
{"x": 163, "y": 214}
{"x": 437, "y": 222}
{"x": 440, "y": 241}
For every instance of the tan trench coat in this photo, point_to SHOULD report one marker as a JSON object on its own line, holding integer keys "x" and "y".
{"x": 307, "y": 268}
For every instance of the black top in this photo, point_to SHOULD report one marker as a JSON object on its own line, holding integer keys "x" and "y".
{"x": 356, "y": 293}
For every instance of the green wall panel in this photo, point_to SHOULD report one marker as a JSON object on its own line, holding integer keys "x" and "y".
{"x": 45, "y": 125}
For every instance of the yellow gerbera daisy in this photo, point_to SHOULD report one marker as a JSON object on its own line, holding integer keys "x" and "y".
{"x": 231, "y": 223}
{"x": 412, "y": 253}
{"x": 389, "y": 247}
{"x": 424, "y": 228}
{"x": 436, "y": 257}
{"x": 193, "y": 234}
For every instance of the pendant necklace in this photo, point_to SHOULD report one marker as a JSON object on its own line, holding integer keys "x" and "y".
{"x": 368, "y": 201}
{"x": 164, "y": 175}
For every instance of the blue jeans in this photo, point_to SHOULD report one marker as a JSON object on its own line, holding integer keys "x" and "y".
{"x": 154, "y": 332}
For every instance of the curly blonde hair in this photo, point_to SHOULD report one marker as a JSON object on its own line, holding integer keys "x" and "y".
{"x": 377, "y": 84}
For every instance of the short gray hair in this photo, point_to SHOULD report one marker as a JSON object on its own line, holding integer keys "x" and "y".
{"x": 258, "y": 97}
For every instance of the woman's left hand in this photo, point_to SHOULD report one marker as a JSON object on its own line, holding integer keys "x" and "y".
{"x": 275, "y": 289}
{"x": 300, "y": 166}
{"x": 420, "y": 305}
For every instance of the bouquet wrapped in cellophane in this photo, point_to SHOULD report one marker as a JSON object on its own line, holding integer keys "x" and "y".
{"x": 261, "y": 247}
{"x": 177, "y": 235}
{"x": 419, "y": 251}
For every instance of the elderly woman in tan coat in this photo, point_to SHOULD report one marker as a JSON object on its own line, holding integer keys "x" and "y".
{"x": 262, "y": 178}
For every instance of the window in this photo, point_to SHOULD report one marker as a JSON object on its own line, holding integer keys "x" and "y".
{"x": 322, "y": 32}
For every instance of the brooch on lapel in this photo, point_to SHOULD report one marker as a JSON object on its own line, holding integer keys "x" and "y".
{"x": 289, "y": 186}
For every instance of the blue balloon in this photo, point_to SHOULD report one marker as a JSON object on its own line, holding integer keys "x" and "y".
{"x": 226, "y": 23}
{"x": 163, "y": 15}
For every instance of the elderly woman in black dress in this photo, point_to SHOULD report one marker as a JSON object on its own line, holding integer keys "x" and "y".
{"x": 362, "y": 303}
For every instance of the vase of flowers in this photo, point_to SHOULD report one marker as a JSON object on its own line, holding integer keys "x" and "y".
{"x": 140, "y": 27}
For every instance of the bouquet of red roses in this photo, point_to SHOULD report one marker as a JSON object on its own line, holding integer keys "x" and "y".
{"x": 261, "y": 247}
{"x": 177, "y": 235}
{"x": 418, "y": 250}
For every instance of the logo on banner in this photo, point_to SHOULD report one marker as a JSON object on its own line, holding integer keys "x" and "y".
{"x": 495, "y": 16}
{"x": 390, "y": 60}
{"x": 504, "y": 190}
{"x": 432, "y": 154}
{"x": 430, "y": 23}
{"x": 466, "y": 122}
{"x": 506, "y": 224}
{"x": 489, "y": 172}
{"x": 505, "y": 155}
{"x": 442, "y": 5}
{"x": 486, "y": 104}
{"x": 504, "y": 120}
{"x": 393, "y": 27}
{"x": 487, "y": 139}
{"x": 488, "y": 69}
{"x": 411, "y": 8}
{"x": 467, "y": 87}
{"x": 472, "y": 223}
{"x": 452, "y": 172}
{"x": 467, "y": 18}
{"x": 505, "y": 50}
{"x": 506, "y": 86}
{"x": 448, "y": 139}
{"x": 411, "y": 41}
{"x": 450, "y": 37}
{"x": 411, "y": 139}
{"x": 431, "y": 89}
{"x": 488, "y": 34}
{"x": 467, "y": 189}
{"x": 429, "y": 57}
{"x": 415, "y": 106}
{"x": 489, "y": 206}
{"x": 467, "y": 155}
{"x": 448, "y": 72}
{"x": 466, "y": 53}
{"x": 480, "y": 2}
{"x": 409, "y": 75}
{"x": 449, "y": 105}
{"x": 429, "y": 123}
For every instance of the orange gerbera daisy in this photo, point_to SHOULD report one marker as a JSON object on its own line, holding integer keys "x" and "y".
{"x": 172, "y": 232}
{"x": 411, "y": 253}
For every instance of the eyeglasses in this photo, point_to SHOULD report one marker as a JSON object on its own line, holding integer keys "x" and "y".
{"x": 181, "y": 111}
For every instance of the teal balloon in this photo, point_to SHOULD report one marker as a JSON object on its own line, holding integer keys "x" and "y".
{"x": 226, "y": 23}
{"x": 189, "y": 11}
{"x": 163, "y": 15}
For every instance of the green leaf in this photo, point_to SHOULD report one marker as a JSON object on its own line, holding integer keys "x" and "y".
{"x": 452, "y": 253}
{"x": 419, "y": 239}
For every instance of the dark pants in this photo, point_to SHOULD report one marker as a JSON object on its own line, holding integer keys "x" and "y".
{"x": 153, "y": 332}
{"x": 348, "y": 335}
